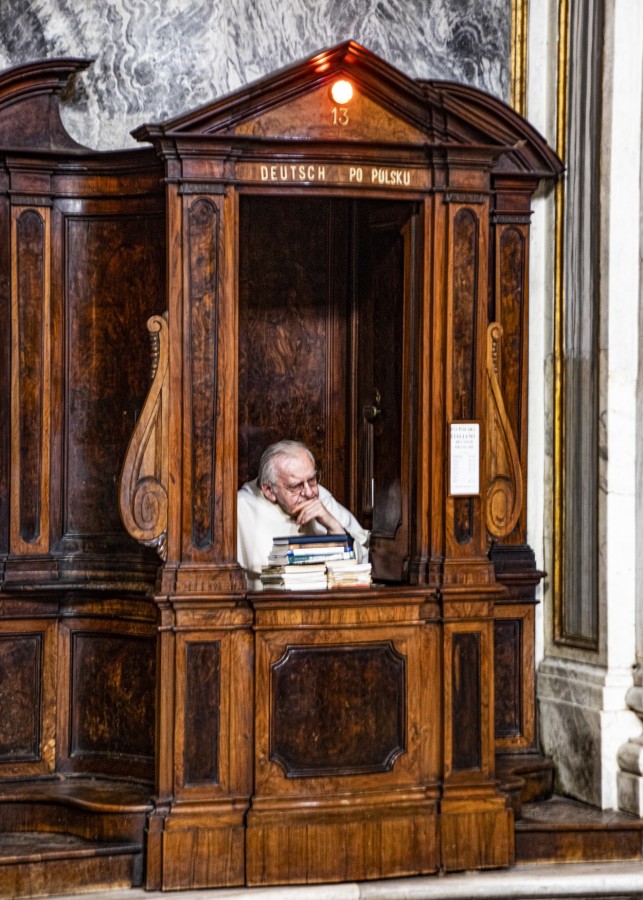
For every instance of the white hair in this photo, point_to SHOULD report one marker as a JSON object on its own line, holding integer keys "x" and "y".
{"x": 275, "y": 452}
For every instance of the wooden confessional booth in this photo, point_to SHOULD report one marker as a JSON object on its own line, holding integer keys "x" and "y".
{"x": 350, "y": 271}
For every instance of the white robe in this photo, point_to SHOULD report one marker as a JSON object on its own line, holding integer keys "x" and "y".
{"x": 259, "y": 521}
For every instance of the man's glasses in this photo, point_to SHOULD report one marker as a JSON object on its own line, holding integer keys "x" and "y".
{"x": 296, "y": 489}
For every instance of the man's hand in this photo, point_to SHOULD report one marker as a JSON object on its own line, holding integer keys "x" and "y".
{"x": 315, "y": 509}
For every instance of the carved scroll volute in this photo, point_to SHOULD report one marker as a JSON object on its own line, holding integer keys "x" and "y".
{"x": 504, "y": 475}
{"x": 144, "y": 476}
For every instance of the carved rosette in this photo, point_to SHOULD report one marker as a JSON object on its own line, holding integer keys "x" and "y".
{"x": 144, "y": 476}
{"x": 503, "y": 500}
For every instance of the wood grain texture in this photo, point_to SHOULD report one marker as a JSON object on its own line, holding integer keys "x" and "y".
{"x": 504, "y": 477}
{"x": 31, "y": 380}
{"x": 203, "y": 229}
{"x": 106, "y": 703}
{"x": 113, "y": 256}
{"x": 338, "y": 711}
{"x": 285, "y": 330}
{"x": 299, "y": 811}
{"x": 27, "y": 697}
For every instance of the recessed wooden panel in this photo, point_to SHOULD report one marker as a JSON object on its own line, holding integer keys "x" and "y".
{"x": 112, "y": 695}
{"x": 115, "y": 282}
{"x": 511, "y": 306}
{"x": 203, "y": 226}
{"x": 465, "y": 283}
{"x": 284, "y": 328}
{"x": 30, "y": 252}
{"x": 507, "y": 645}
{"x": 30, "y": 415}
{"x": 338, "y": 710}
{"x": 466, "y": 695}
{"x": 465, "y": 302}
{"x": 202, "y": 705}
{"x": 5, "y": 369}
{"x": 20, "y": 696}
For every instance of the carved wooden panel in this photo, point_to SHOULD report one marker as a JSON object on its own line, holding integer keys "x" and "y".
{"x": 27, "y": 704}
{"x": 20, "y": 696}
{"x": 114, "y": 283}
{"x": 202, "y": 707}
{"x": 31, "y": 381}
{"x": 338, "y": 710}
{"x": 106, "y": 709}
{"x": 511, "y": 304}
{"x": 465, "y": 293}
{"x": 465, "y": 302}
{"x": 203, "y": 236}
{"x": 514, "y": 676}
{"x": 507, "y": 678}
{"x": 465, "y": 701}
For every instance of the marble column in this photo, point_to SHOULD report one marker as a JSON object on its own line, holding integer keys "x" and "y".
{"x": 586, "y": 724}
{"x": 628, "y": 27}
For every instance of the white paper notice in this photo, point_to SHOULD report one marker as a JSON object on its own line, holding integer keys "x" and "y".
{"x": 464, "y": 455}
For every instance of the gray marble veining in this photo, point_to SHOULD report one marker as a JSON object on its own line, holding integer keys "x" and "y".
{"x": 154, "y": 59}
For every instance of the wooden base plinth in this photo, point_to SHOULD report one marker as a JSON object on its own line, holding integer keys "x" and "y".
{"x": 305, "y": 847}
{"x": 189, "y": 852}
{"x": 476, "y": 836}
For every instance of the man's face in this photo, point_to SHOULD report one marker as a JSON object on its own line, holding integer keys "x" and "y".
{"x": 295, "y": 482}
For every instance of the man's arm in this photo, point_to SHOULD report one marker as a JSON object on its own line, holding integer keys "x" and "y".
{"x": 337, "y": 520}
{"x": 315, "y": 509}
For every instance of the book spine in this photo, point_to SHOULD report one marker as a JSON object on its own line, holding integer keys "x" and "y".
{"x": 303, "y": 560}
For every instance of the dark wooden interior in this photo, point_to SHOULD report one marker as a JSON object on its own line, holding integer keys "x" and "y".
{"x": 327, "y": 294}
{"x": 267, "y": 266}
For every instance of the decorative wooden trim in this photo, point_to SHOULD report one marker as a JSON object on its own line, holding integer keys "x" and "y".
{"x": 503, "y": 502}
{"x": 142, "y": 497}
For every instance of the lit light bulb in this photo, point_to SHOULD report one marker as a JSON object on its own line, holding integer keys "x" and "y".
{"x": 342, "y": 92}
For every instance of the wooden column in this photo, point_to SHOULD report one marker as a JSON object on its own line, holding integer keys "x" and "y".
{"x": 476, "y": 823}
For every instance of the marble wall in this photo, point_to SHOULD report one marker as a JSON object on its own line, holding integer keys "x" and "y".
{"x": 155, "y": 59}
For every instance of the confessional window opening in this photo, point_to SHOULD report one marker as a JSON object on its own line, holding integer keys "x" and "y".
{"x": 326, "y": 289}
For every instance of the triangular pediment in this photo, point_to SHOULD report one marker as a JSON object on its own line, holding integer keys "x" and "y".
{"x": 295, "y": 104}
{"x": 387, "y": 107}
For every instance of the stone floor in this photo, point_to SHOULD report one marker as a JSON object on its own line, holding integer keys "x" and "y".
{"x": 609, "y": 881}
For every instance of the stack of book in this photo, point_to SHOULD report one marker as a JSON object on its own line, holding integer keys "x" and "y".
{"x": 314, "y": 563}
{"x": 307, "y": 577}
{"x": 303, "y": 549}
{"x": 348, "y": 574}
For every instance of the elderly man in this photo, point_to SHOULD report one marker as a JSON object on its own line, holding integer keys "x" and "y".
{"x": 286, "y": 499}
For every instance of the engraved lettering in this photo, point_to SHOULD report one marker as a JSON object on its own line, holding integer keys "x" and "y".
{"x": 264, "y": 173}
{"x": 355, "y": 173}
{"x": 321, "y": 173}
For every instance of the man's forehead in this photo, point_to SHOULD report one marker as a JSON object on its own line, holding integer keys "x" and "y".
{"x": 298, "y": 466}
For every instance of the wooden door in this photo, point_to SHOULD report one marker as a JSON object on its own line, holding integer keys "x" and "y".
{"x": 387, "y": 276}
